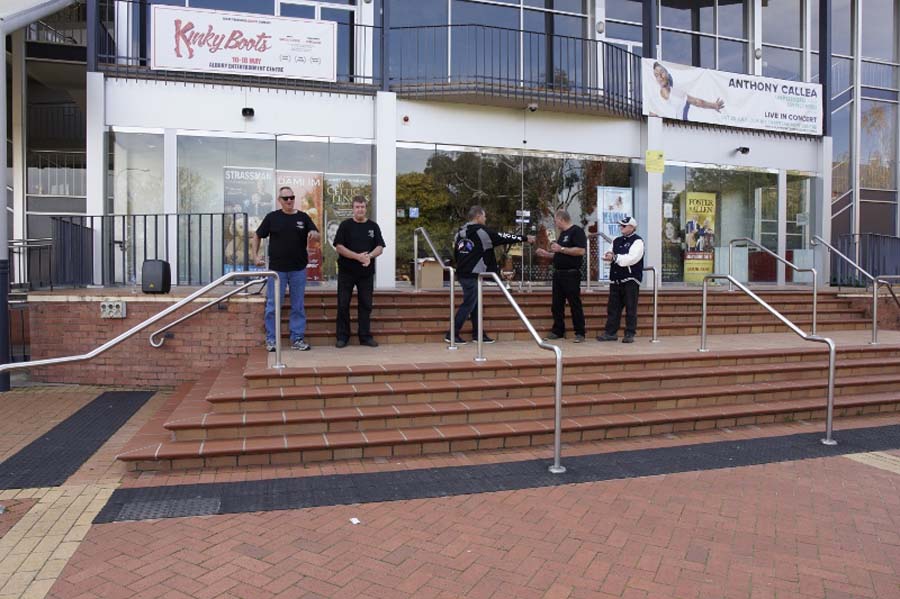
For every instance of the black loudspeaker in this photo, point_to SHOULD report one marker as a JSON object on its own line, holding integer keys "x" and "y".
{"x": 156, "y": 277}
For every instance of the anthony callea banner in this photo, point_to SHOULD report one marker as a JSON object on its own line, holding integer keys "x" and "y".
{"x": 212, "y": 41}
{"x": 684, "y": 93}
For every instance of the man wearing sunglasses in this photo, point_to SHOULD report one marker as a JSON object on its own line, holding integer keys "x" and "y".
{"x": 626, "y": 269}
{"x": 288, "y": 231}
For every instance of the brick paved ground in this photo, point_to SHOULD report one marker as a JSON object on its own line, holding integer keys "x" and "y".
{"x": 825, "y": 528}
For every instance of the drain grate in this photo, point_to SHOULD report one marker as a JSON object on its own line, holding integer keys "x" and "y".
{"x": 169, "y": 508}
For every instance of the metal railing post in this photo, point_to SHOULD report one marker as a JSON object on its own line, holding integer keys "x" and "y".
{"x": 416, "y": 283}
{"x": 588, "y": 288}
{"x": 446, "y": 267}
{"x": 557, "y": 467}
{"x": 453, "y": 345}
{"x": 652, "y": 269}
{"x": 874, "y": 313}
{"x": 479, "y": 357}
{"x": 829, "y": 408}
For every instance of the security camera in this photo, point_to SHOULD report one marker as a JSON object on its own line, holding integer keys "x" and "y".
{"x": 532, "y": 107}
{"x": 743, "y": 150}
{"x": 247, "y": 112}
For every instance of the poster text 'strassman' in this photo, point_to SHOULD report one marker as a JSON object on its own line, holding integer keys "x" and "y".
{"x": 685, "y": 93}
{"x": 211, "y": 41}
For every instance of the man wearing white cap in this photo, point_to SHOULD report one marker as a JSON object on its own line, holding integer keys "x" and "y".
{"x": 626, "y": 269}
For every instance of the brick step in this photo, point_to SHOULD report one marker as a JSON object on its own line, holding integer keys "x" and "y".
{"x": 212, "y": 425}
{"x": 303, "y": 397}
{"x": 255, "y": 377}
{"x": 320, "y": 333}
{"x": 545, "y": 318}
{"x": 285, "y": 449}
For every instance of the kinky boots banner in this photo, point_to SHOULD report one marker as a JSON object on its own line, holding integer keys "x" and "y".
{"x": 212, "y": 41}
{"x": 684, "y": 93}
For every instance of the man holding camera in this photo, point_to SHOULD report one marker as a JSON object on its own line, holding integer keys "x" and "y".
{"x": 626, "y": 270}
{"x": 358, "y": 242}
{"x": 567, "y": 253}
{"x": 289, "y": 230}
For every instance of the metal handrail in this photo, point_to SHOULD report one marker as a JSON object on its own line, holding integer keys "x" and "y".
{"x": 829, "y": 417}
{"x": 608, "y": 239}
{"x": 876, "y": 284}
{"x": 815, "y": 275}
{"x": 417, "y": 285}
{"x": 556, "y": 468}
{"x": 137, "y": 328}
{"x": 159, "y": 343}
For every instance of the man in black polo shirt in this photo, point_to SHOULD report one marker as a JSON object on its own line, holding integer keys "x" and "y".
{"x": 358, "y": 241}
{"x": 288, "y": 230}
{"x": 567, "y": 255}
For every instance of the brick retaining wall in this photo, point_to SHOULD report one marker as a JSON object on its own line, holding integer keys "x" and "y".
{"x": 69, "y": 326}
{"x": 888, "y": 312}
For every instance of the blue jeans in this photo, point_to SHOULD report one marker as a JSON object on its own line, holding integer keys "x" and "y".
{"x": 296, "y": 279}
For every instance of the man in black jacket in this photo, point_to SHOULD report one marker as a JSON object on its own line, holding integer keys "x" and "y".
{"x": 473, "y": 249}
{"x": 626, "y": 269}
{"x": 567, "y": 253}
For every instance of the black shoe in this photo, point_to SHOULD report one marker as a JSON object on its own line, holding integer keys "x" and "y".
{"x": 605, "y": 337}
{"x": 459, "y": 340}
{"x": 369, "y": 342}
{"x": 554, "y": 337}
{"x": 628, "y": 339}
{"x": 341, "y": 343}
{"x": 484, "y": 339}
{"x": 579, "y": 339}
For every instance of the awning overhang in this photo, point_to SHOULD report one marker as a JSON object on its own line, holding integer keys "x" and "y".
{"x": 15, "y": 14}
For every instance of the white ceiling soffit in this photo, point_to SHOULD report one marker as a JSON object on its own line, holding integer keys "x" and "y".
{"x": 15, "y": 14}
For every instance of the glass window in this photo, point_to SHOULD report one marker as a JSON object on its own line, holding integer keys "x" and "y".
{"x": 732, "y": 56}
{"x": 878, "y": 145}
{"x": 415, "y": 13}
{"x": 137, "y": 184}
{"x": 264, "y": 7}
{"x": 841, "y": 20}
{"x": 814, "y": 26}
{"x": 878, "y": 217}
{"x": 620, "y": 31}
{"x": 686, "y": 48}
{"x": 733, "y": 19}
{"x": 879, "y": 32}
{"x": 298, "y": 11}
{"x": 782, "y": 64}
{"x": 474, "y": 13}
{"x": 691, "y": 16}
{"x": 625, "y": 10}
{"x": 841, "y": 74}
{"x": 840, "y": 162}
{"x": 576, "y": 6}
{"x": 876, "y": 74}
{"x": 781, "y": 22}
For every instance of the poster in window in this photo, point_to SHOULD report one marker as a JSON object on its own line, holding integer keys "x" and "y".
{"x": 699, "y": 236}
{"x": 307, "y": 188}
{"x": 247, "y": 190}
{"x": 339, "y": 193}
{"x": 613, "y": 204}
{"x": 673, "y": 239}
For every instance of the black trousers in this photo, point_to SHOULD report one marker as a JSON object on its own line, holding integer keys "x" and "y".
{"x": 567, "y": 288}
{"x": 469, "y": 306}
{"x": 365, "y": 286}
{"x": 622, "y": 295}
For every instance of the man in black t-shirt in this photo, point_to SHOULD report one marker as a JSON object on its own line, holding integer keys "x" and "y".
{"x": 288, "y": 230}
{"x": 358, "y": 242}
{"x": 567, "y": 252}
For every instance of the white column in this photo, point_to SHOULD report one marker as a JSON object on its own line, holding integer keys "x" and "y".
{"x": 755, "y": 35}
{"x": 820, "y": 207}
{"x": 170, "y": 196}
{"x": 386, "y": 186}
{"x": 648, "y": 198}
{"x": 19, "y": 120}
{"x": 782, "y": 225}
{"x": 97, "y": 160}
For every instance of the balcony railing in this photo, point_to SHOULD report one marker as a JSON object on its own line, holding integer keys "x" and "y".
{"x": 123, "y": 50}
{"x": 513, "y": 66}
{"x": 67, "y": 27}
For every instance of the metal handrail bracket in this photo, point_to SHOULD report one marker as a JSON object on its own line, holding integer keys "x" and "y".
{"x": 815, "y": 275}
{"x": 876, "y": 283}
{"x": 556, "y": 468}
{"x": 154, "y": 319}
{"x": 829, "y": 418}
{"x": 417, "y": 286}
{"x": 159, "y": 342}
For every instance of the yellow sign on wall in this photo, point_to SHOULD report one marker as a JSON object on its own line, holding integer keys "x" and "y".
{"x": 700, "y": 236}
{"x": 654, "y": 162}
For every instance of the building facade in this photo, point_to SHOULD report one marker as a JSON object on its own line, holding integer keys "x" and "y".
{"x": 522, "y": 106}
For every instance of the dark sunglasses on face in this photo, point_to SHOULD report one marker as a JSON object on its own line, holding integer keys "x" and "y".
{"x": 287, "y": 198}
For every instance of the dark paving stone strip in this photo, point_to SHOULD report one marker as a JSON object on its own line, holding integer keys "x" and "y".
{"x": 318, "y": 491}
{"x": 57, "y": 454}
